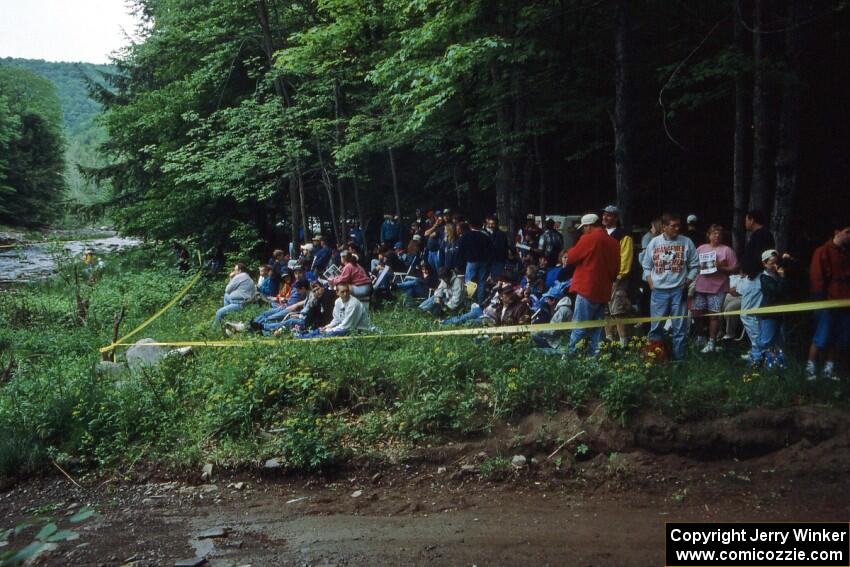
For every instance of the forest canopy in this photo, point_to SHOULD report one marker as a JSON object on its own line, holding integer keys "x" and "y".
{"x": 238, "y": 122}
{"x": 31, "y": 149}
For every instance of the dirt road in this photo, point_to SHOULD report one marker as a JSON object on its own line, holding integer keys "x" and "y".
{"x": 609, "y": 510}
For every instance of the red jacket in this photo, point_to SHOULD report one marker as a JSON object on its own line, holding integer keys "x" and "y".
{"x": 830, "y": 272}
{"x": 597, "y": 261}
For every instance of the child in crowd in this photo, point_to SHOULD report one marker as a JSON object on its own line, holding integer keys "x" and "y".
{"x": 773, "y": 291}
{"x": 265, "y": 282}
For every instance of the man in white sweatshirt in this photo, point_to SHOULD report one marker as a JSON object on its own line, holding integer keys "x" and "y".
{"x": 349, "y": 315}
{"x": 239, "y": 291}
{"x": 670, "y": 264}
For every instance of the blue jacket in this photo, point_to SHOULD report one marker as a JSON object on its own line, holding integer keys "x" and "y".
{"x": 390, "y": 231}
{"x": 322, "y": 259}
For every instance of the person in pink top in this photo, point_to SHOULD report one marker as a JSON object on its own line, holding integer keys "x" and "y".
{"x": 716, "y": 262}
{"x": 353, "y": 274}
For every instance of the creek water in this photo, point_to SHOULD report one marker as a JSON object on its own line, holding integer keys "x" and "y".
{"x": 34, "y": 261}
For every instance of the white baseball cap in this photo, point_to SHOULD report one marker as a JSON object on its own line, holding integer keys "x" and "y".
{"x": 692, "y": 219}
{"x": 588, "y": 219}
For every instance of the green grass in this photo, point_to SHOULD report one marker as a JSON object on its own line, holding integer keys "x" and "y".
{"x": 313, "y": 404}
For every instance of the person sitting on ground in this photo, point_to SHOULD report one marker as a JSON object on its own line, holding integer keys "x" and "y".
{"x": 294, "y": 304}
{"x": 554, "y": 273}
{"x": 265, "y": 282}
{"x": 354, "y": 275}
{"x": 417, "y": 284}
{"x": 773, "y": 292}
{"x": 317, "y": 312}
{"x": 716, "y": 262}
{"x": 560, "y": 308}
{"x": 482, "y": 313}
{"x": 278, "y": 262}
{"x": 349, "y": 315}
{"x": 285, "y": 289}
{"x": 448, "y": 296}
{"x": 512, "y": 311}
{"x": 239, "y": 291}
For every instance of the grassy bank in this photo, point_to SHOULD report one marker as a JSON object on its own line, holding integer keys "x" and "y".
{"x": 313, "y": 404}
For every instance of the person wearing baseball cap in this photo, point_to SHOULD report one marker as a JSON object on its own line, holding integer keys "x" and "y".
{"x": 620, "y": 304}
{"x": 693, "y": 232}
{"x": 596, "y": 257}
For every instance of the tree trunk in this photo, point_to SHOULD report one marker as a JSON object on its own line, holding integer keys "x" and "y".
{"x": 788, "y": 152}
{"x": 280, "y": 90}
{"x": 739, "y": 179}
{"x": 760, "y": 190}
{"x": 328, "y": 184}
{"x": 362, "y": 223}
{"x": 538, "y": 161}
{"x": 505, "y": 175}
{"x": 622, "y": 118}
{"x": 337, "y": 141}
{"x": 395, "y": 183}
{"x": 294, "y": 206}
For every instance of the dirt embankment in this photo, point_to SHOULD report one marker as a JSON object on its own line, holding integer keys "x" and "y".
{"x": 600, "y": 497}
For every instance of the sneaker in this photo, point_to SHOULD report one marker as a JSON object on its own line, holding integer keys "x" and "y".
{"x": 811, "y": 372}
{"x": 745, "y": 356}
{"x": 829, "y": 373}
{"x": 231, "y": 328}
{"x": 709, "y": 347}
{"x": 728, "y": 338}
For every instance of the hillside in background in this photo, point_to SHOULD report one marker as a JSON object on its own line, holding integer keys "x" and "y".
{"x": 82, "y": 135}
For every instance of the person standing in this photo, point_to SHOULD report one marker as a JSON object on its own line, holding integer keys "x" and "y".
{"x": 390, "y": 230}
{"x": 550, "y": 243}
{"x": 716, "y": 262}
{"x": 670, "y": 264}
{"x": 759, "y": 240}
{"x": 596, "y": 258}
{"x": 620, "y": 304}
{"x": 830, "y": 279}
{"x": 474, "y": 251}
{"x": 500, "y": 248}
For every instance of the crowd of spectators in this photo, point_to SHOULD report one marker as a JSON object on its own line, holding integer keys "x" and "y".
{"x": 465, "y": 273}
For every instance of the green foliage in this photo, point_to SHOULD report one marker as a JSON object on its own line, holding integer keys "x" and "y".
{"x": 31, "y": 147}
{"x": 311, "y": 405}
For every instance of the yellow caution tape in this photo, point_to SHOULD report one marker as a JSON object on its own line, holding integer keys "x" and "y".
{"x": 506, "y": 330}
{"x": 155, "y": 316}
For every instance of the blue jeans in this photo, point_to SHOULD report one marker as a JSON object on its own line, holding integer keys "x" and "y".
{"x": 269, "y": 328}
{"x": 474, "y": 314}
{"x": 770, "y": 336}
{"x": 662, "y": 303}
{"x": 477, "y": 272}
{"x": 271, "y": 315}
{"x": 433, "y": 260}
{"x": 587, "y": 311}
{"x": 413, "y": 287}
{"x": 229, "y": 306}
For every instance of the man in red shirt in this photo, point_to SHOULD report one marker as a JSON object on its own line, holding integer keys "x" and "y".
{"x": 596, "y": 257}
{"x": 830, "y": 279}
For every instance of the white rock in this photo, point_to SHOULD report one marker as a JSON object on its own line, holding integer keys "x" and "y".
{"x": 519, "y": 461}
